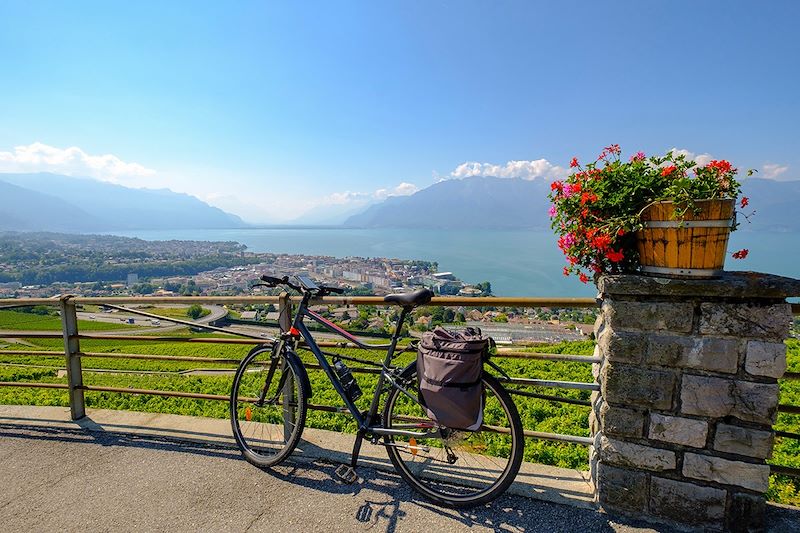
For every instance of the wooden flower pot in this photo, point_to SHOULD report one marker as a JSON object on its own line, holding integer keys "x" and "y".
{"x": 694, "y": 247}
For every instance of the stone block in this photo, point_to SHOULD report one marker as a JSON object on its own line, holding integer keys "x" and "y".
{"x": 628, "y": 454}
{"x": 599, "y": 324}
{"x": 678, "y": 430}
{"x": 751, "y": 476}
{"x": 706, "y": 396}
{"x": 619, "y": 488}
{"x": 686, "y": 502}
{"x": 755, "y": 402}
{"x": 628, "y": 385}
{"x": 648, "y": 316}
{"x": 621, "y": 422}
{"x": 622, "y": 346}
{"x": 746, "y": 512}
{"x": 703, "y": 353}
{"x": 765, "y": 359}
{"x": 743, "y": 441}
{"x": 594, "y": 423}
{"x": 745, "y": 320}
{"x": 596, "y": 367}
{"x": 719, "y": 397}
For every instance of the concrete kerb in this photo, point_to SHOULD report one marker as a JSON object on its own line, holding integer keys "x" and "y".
{"x": 556, "y": 485}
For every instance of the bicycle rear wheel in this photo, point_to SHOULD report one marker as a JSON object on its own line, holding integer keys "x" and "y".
{"x": 456, "y": 468}
{"x": 267, "y": 406}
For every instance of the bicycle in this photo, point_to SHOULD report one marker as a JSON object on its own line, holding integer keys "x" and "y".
{"x": 271, "y": 389}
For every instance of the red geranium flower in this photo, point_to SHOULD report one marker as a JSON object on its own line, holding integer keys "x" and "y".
{"x": 584, "y": 278}
{"x": 668, "y": 170}
{"x": 601, "y": 242}
{"x": 574, "y": 162}
{"x": 741, "y": 254}
{"x": 722, "y": 167}
{"x": 615, "y": 256}
{"x": 745, "y": 200}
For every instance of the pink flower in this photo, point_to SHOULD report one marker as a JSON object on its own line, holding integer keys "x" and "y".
{"x": 638, "y": 157}
{"x": 552, "y": 211}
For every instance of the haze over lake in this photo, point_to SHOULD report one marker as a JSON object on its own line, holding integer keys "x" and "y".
{"x": 517, "y": 263}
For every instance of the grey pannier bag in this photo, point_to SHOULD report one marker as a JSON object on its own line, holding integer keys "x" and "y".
{"x": 449, "y": 368}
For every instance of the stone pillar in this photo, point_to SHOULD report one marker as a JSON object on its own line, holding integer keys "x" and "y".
{"x": 688, "y": 396}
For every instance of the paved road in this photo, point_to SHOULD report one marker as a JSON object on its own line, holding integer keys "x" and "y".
{"x": 56, "y": 479}
{"x": 59, "y": 476}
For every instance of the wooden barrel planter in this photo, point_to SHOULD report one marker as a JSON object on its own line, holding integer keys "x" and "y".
{"x": 694, "y": 247}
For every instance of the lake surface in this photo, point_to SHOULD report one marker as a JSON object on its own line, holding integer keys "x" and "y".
{"x": 517, "y": 263}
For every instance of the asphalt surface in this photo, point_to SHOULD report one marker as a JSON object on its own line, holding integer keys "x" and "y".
{"x": 55, "y": 478}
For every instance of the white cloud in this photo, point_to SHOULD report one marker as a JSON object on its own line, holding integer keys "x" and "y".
{"x": 40, "y": 157}
{"x": 700, "y": 159}
{"x": 529, "y": 170}
{"x": 771, "y": 171}
{"x": 404, "y": 189}
{"x": 347, "y": 197}
{"x": 350, "y": 197}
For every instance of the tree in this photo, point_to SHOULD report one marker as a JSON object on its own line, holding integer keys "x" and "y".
{"x": 194, "y": 312}
{"x": 485, "y": 287}
{"x": 502, "y": 317}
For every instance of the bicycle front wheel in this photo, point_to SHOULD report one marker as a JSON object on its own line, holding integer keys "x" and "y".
{"x": 456, "y": 468}
{"x": 267, "y": 406}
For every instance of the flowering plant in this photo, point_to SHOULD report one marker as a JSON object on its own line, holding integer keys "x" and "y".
{"x": 598, "y": 207}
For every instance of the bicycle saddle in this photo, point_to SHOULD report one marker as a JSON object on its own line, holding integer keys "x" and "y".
{"x": 410, "y": 299}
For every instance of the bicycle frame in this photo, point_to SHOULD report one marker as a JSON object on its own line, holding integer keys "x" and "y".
{"x": 366, "y": 421}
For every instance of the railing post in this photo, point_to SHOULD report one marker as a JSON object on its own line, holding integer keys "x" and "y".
{"x": 688, "y": 396}
{"x": 289, "y": 400}
{"x": 69, "y": 326}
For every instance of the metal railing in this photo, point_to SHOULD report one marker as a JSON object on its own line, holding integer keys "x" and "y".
{"x": 76, "y": 388}
{"x": 71, "y": 337}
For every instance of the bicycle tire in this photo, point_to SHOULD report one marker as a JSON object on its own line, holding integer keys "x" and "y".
{"x": 456, "y": 484}
{"x": 260, "y": 430}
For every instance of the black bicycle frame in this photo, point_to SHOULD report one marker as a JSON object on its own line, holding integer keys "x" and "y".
{"x": 366, "y": 421}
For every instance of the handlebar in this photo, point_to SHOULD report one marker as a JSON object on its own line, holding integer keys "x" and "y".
{"x": 270, "y": 281}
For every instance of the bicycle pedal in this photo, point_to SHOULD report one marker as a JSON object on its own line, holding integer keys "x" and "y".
{"x": 346, "y": 474}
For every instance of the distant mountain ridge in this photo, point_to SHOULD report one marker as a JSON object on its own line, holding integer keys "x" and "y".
{"x": 475, "y": 202}
{"x": 485, "y": 202}
{"x": 54, "y": 202}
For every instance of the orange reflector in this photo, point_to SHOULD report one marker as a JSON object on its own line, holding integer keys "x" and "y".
{"x": 294, "y": 332}
{"x": 248, "y": 414}
{"x": 412, "y": 446}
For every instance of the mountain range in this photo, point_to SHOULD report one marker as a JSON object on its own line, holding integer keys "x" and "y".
{"x": 54, "y": 202}
{"x": 509, "y": 203}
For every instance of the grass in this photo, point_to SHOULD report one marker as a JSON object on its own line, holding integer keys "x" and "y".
{"x": 537, "y": 415}
{"x": 786, "y": 489}
{"x": 16, "y": 321}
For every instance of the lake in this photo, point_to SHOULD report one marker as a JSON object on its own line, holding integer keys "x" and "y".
{"x": 517, "y": 263}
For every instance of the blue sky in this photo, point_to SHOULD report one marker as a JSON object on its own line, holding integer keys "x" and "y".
{"x": 271, "y": 109}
